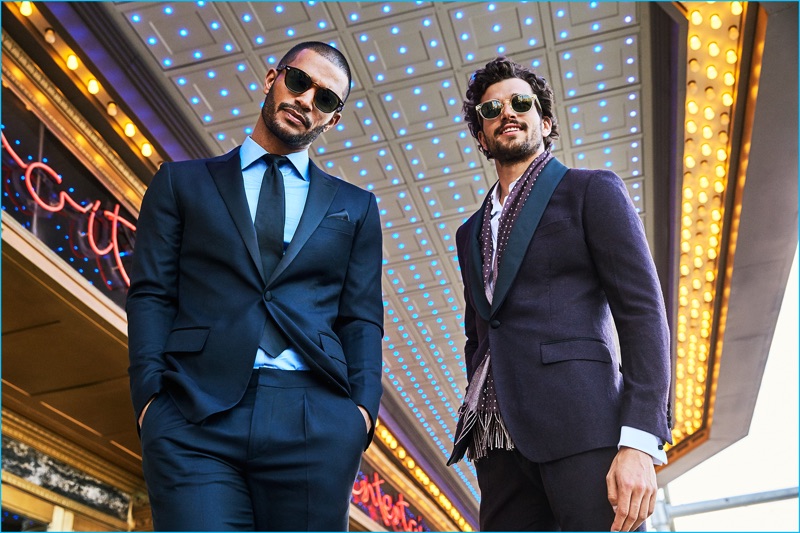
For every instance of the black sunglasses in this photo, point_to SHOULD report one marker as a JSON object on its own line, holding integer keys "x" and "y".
{"x": 299, "y": 82}
{"x": 520, "y": 103}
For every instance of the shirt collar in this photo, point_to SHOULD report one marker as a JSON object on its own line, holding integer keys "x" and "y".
{"x": 496, "y": 205}
{"x": 251, "y": 151}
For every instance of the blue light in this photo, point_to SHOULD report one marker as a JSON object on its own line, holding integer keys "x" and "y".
{"x": 395, "y": 30}
{"x": 181, "y": 81}
{"x": 628, "y": 19}
{"x": 259, "y": 40}
{"x": 595, "y": 26}
{"x": 631, "y": 79}
{"x": 528, "y": 21}
{"x": 168, "y": 10}
{"x": 426, "y": 22}
{"x": 215, "y": 25}
{"x": 632, "y": 114}
{"x": 402, "y": 50}
{"x": 401, "y": 131}
{"x": 363, "y": 38}
{"x": 207, "y": 118}
{"x": 375, "y": 138}
{"x": 372, "y": 58}
{"x": 228, "y": 47}
{"x": 501, "y": 49}
{"x": 136, "y": 18}
{"x": 563, "y": 34}
{"x": 440, "y": 63}
{"x": 354, "y": 16}
{"x": 532, "y": 42}
{"x": 599, "y": 67}
{"x": 241, "y": 67}
{"x": 560, "y": 13}
{"x": 604, "y": 119}
{"x": 379, "y": 77}
{"x": 602, "y": 103}
{"x": 423, "y": 107}
{"x": 606, "y": 135}
{"x": 459, "y": 15}
{"x": 290, "y": 32}
{"x": 464, "y": 36}
{"x": 211, "y": 74}
{"x": 221, "y": 136}
{"x": 601, "y": 86}
{"x": 248, "y": 130}
{"x": 322, "y": 24}
{"x": 167, "y": 62}
{"x": 576, "y": 126}
{"x": 573, "y": 110}
{"x": 496, "y": 28}
{"x": 417, "y": 91}
{"x": 536, "y": 63}
{"x": 607, "y": 151}
{"x": 253, "y": 86}
{"x": 569, "y": 75}
{"x": 470, "y": 56}
{"x": 598, "y": 49}
{"x": 490, "y": 7}
{"x": 629, "y": 40}
{"x": 387, "y": 8}
{"x": 195, "y": 100}
{"x": 198, "y": 54}
{"x": 360, "y": 104}
{"x": 152, "y": 41}
{"x": 223, "y": 92}
{"x": 629, "y": 61}
{"x": 279, "y": 9}
{"x": 246, "y": 17}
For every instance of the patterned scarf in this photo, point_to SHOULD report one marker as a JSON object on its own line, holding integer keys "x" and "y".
{"x": 484, "y": 414}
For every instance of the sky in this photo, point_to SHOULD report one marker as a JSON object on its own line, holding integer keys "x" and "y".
{"x": 765, "y": 460}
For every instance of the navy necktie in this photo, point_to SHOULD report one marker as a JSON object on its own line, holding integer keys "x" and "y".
{"x": 269, "y": 222}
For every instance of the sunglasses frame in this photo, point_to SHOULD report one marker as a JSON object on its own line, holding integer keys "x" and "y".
{"x": 314, "y": 84}
{"x": 535, "y": 104}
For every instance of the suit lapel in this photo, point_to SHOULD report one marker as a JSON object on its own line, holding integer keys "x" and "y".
{"x": 227, "y": 175}
{"x": 321, "y": 190}
{"x": 524, "y": 227}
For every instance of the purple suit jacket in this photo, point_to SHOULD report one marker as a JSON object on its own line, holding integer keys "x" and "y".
{"x": 561, "y": 385}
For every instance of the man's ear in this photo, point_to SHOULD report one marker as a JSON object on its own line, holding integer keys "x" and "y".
{"x": 269, "y": 79}
{"x": 482, "y": 140}
{"x": 547, "y": 126}
{"x": 333, "y": 121}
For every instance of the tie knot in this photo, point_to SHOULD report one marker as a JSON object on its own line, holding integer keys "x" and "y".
{"x": 269, "y": 159}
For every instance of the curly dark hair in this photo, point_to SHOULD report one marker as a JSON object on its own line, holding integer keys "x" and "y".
{"x": 497, "y": 70}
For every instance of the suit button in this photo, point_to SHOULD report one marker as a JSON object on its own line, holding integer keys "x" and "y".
{"x": 495, "y": 324}
{"x": 267, "y": 296}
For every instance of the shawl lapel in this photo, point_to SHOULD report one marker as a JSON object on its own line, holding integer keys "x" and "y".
{"x": 524, "y": 228}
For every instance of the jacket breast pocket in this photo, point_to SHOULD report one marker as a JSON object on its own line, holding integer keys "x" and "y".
{"x": 186, "y": 340}
{"x": 552, "y": 227}
{"x": 575, "y": 349}
{"x": 338, "y": 224}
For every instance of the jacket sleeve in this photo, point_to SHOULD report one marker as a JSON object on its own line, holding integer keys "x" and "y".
{"x": 152, "y": 298}
{"x": 618, "y": 245}
{"x": 359, "y": 325}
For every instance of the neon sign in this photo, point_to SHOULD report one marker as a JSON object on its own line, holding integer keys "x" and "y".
{"x": 92, "y": 208}
{"x": 392, "y": 512}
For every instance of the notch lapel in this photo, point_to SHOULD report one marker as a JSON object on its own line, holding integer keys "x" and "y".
{"x": 321, "y": 190}
{"x": 227, "y": 175}
{"x": 524, "y": 227}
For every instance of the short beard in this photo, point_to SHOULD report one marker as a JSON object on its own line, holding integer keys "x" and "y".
{"x": 515, "y": 153}
{"x": 294, "y": 140}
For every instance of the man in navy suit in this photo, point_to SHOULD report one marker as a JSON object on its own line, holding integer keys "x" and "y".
{"x": 255, "y": 321}
{"x": 564, "y": 431}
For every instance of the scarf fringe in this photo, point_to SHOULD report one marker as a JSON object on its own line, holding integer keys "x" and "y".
{"x": 490, "y": 433}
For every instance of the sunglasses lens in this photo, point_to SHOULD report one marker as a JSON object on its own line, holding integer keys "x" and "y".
{"x": 326, "y": 100}
{"x": 297, "y": 81}
{"x": 491, "y": 109}
{"x": 522, "y": 103}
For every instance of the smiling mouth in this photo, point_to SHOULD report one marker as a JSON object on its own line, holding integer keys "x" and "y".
{"x": 511, "y": 127}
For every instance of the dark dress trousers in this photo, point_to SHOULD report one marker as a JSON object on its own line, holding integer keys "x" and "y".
{"x": 572, "y": 262}
{"x": 197, "y": 307}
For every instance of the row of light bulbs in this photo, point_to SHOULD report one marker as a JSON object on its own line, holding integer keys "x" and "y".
{"x": 91, "y": 84}
{"x": 419, "y": 474}
{"x": 712, "y": 62}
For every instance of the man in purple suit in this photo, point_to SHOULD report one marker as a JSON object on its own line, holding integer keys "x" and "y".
{"x": 564, "y": 431}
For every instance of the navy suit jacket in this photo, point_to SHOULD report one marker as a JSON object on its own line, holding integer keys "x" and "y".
{"x": 561, "y": 385}
{"x": 198, "y": 300}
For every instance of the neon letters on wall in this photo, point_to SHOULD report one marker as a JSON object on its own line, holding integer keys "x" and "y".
{"x": 391, "y": 512}
{"x": 92, "y": 208}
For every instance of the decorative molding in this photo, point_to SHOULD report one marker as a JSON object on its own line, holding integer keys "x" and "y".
{"x": 25, "y": 78}
{"x": 27, "y": 432}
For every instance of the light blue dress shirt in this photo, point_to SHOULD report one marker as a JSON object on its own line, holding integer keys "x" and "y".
{"x": 295, "y": 184}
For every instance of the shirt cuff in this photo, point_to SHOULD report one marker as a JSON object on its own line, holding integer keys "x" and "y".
{"x": 645, "y": 442}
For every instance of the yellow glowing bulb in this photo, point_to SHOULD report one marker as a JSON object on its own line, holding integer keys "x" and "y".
{"x": 706, "y": 149}
{"x": 147, "y": 151}
{"x": 703, "y": 181}
{"x": 692, "y": 107}
{"x": 727, "y": 99}
{"x": 130, "y": 129}
{"x": 50, "y": 35}
{"x": 111, "y": 109}
{"x": 722, "y": 155}
{"x": 731, "y": 57}
{"x": 728, "y": 79}
{"x": 719, "y": 187}
{"x": 715, "y": 21}
{"x": 688, "y": 193}
{"x": 708, "y": 112}
{"x": 697, "y": 18}
{"x": 93, "y": 86}
{"x": 691, "y": 126}
{"x": 707, "y": 132}
{"x": 713, "y": 49}
{"x": 702, "y": 197}
{"x": 710, "y": 276}
{"x": 695, "y": 43}
{"x": 690, "y": 162}
{"x": 26, "y": 9}
{"x": 72, "y": 62}
{"x": 736, "y": 8}
{"x": 711, "y": 72}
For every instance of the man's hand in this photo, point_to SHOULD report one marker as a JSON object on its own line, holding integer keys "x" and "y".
{"x": 367, "y": 419}
{"x": 141, "y": 416}
{"x": 632, "y": 488}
